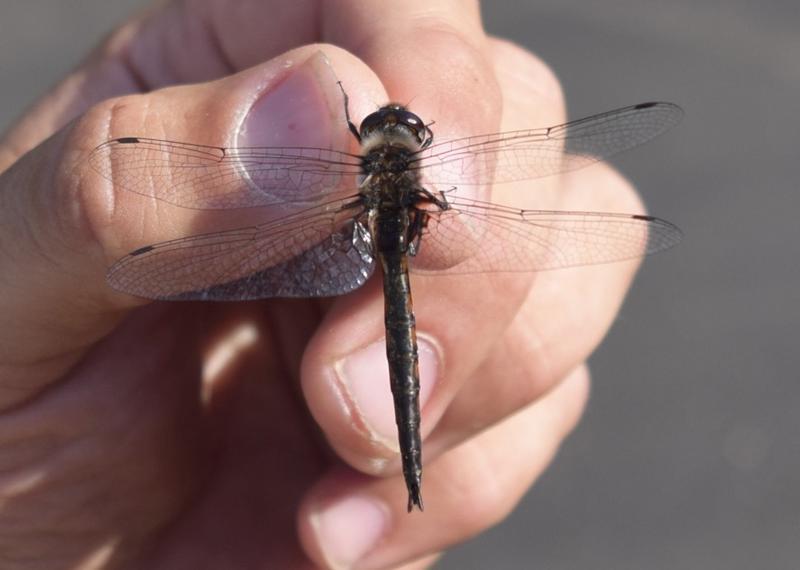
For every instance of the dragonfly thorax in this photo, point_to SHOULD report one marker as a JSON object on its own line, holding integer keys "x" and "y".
{"x": 386, "y": 158}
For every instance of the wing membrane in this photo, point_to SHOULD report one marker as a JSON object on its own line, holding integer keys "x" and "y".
{"x": 318, "y": 252}
{"x": 478, "y": 237}
{"x": 326, "y": 249}
{"x": 208, "y": 177}
{"x": 527, "y": 154}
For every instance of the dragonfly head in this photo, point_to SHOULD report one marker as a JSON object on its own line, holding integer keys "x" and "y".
{"x": 393, "y": 123}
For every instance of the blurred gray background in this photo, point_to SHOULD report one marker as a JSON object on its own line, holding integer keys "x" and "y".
{"x": 689, "y": 455}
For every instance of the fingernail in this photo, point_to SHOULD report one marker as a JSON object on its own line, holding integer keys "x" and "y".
{"x": 304, "y": 109}
{"x": 364, "y": 378}
{"x": 349, "y": 529}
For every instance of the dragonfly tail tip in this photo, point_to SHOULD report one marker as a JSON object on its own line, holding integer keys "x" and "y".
{"x": 415, "y": 500}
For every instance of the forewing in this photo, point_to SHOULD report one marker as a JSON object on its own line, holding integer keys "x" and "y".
{"x": 316, "y": 253}
{"x": 478, "y": 237}
{"x": 209, "y": 177}
{"x": 527, "y": 154}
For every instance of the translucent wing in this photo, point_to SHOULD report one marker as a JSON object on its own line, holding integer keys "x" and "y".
{"x": 209, "y": 177}
{"x": 478, "y": 237}
{"x": 522, "y": 155}
{"x": 326, "y": 249}
{"x": 319, "y": 252}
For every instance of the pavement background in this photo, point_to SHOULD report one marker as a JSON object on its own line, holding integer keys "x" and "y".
{"x": 689, "y": 455}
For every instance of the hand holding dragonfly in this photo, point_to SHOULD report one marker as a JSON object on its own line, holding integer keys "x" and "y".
{"x": 187, "y": 426}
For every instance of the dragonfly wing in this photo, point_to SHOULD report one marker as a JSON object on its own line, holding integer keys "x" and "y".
{"x": 208, "y": 177}
{"x": 478, "y": 237}
{"x": 528, "y": 154}
{"x": 317, "y": 254}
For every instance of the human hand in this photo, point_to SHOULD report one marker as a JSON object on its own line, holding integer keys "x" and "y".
{"x": 111, "y": 457}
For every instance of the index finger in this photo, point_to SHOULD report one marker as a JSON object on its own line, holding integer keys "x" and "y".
{"x": 432, "y": 52}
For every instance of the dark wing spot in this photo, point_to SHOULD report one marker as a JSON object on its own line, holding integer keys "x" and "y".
{"x": 646, "y": 105}
{"x": 643, "y": 217}
{"x": 142, "y": 250}
{"x": 128, "y": 140}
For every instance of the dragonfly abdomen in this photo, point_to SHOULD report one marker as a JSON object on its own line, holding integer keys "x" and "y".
{"x": 391, "y": 227}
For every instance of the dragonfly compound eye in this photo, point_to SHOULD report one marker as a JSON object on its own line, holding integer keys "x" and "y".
{"x": 393, "y": 119}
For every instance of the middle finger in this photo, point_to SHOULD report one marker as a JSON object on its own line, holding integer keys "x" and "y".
{"x": 564, "y": 314}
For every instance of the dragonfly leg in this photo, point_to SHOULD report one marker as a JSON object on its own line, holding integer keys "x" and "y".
{"x": 439, "y": 202}
{"x": 350, "y": 124}
{"x": 415, "y": 230}
{"x": 429, "y": 136}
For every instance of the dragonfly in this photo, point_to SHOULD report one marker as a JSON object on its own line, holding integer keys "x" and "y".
{"x": 331, "y": 217}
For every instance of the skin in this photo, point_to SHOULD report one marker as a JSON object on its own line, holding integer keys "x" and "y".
{"x": 110, "y": 457}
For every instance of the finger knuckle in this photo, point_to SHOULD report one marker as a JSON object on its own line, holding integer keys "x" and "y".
{"x": 465, "y": 65}
{"x": 508, "y": 55}
{"x": 488, "y": 497}
{"x": 93, "y": 197}
{"x": 613, "y": 191}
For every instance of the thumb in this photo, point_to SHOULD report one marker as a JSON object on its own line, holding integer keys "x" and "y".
{"x": 62, "y": 224}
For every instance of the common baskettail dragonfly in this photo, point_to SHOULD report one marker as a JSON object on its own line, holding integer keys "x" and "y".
{"x": 396, "y": 199}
